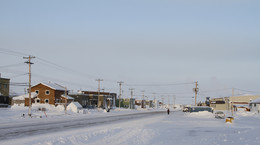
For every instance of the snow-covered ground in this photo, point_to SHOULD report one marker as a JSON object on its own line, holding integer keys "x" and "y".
{"x": 177, "y": 128}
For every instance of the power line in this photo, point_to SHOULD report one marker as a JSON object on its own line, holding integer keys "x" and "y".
{"x": 158, "y": 84}
{"x": 10, "y": 65}
{"x": 12, "y": 52}
{"x": 246, "y": 90}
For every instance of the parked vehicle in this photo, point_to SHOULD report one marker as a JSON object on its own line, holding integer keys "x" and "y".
{"x": 199, "y": 109}
{"x": 219, "y": 115}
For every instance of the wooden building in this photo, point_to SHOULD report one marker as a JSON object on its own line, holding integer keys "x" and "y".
{"x": 49, "y": 93}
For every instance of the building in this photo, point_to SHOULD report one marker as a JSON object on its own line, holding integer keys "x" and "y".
{"x": 20, "y": 100}
{"x": 90, "y": 99}
{"x": 220, "y": 103}
{"x": 49, "y": 93}
{"x": 227, "y": 102}
{"x": 4, "y": 91}
{"x": 254, "y": 105}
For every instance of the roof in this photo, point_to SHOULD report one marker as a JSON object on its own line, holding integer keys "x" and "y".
{"x": 75, "y": 104}
{"x": 53, "y": 86}
{"x": 68, "y": 97}
{"x": 257, "y": 100}
{"x": 22, "y": 97}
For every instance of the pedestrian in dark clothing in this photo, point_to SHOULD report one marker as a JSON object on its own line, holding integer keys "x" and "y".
{"x": 168, "y": 111}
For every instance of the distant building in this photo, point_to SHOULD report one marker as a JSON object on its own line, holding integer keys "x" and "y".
{"x": 254, "y": 105}
{"x": 49, "y": 93}
{"x": 89, "y": 99}
{"x": 227, "y": 102}
{"x": 4, "y": 91}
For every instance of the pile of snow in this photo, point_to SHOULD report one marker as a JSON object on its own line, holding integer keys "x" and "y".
{"x": 74, "y": 107}
{"x": 201, "y": 114}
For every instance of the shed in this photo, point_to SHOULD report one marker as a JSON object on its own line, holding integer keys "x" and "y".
{"x": 74, "y": 106}
{"x": 255, "y": 105}
{"x": 21, "y": 99}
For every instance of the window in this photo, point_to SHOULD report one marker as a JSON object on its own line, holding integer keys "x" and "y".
{"x": 47, "y": 92}
{"x": 37, "y": 91}
{"x": 37, "y": 100}
{"x": 5, "y": 85}
{"x": 47, "y": 101}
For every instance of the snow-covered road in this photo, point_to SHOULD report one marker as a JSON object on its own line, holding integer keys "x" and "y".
{"x": 153, "y": 128}
{"x": 22, "y": 129}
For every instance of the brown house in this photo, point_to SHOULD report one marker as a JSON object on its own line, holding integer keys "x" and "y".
{"x": 49, "y": 93}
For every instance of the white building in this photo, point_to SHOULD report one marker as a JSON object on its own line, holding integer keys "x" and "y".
{"x": 255, "y": 105}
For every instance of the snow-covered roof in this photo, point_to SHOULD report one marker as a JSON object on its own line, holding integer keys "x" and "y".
{"x": 75, "y": 104}
{"x": 22, "y": 97}
{"x": 257, "y": 100}
{"x": 53, "y": 86}
{"x": 68, "y": 97}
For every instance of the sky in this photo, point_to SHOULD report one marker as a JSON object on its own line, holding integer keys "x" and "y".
{"x": 161, "y": 47}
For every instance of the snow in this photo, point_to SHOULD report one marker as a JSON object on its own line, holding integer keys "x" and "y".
{"x": 67, "y": 97}
{"x": 177, "y": 128}
{"x": 53, "y": 86}
{"x": 74, "y": 106}
{"x": 33, "y": 94}
{"x": 257, "y": 100}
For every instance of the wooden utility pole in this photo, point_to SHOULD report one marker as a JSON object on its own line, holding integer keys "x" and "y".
{"x": 99, "y": 101}
{"x": 131, "y": 89}
{"x": 168, "y": 101}
{"x": 143, "y": 98}
{"x": 66, "y": 100}
{"x": 196, "y": 90}
{"x": 30, "y": 75}
{"x": 120, "y": 92}
{"x": 154, "y": 99}
{"x": 162, "y": 101}
{"x": 232, "y": 108}
{"x": 174, "y": 101}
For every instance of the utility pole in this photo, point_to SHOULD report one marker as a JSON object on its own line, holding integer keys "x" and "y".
{"x": 30, "y": 75}
{"x": 120, "y": 92}
{"x": 154, "y": 99}
{"x": 99, "y": 101}
{"x": 174, "y": 101}
{"x": 131, "y": 89}
{"x": 66, "y": 100}
{"x": 168, "y": 101}
{"x": 232, "y": 108}
{"x": 143, "y": 98}
{"x": 196, "y": 90}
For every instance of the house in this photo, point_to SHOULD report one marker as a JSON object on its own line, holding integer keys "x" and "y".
{"x": 90, "y": 99}
{"x": 4, "y": 91}
{"x": 20, "y": 100}
{"x": 49, "y": 93}
{"x": 255, "y": 105}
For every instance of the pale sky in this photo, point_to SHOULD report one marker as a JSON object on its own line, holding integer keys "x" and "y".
{"x": 138, "y": 42}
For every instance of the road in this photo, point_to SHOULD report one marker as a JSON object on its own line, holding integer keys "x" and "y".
{"x": 35, "y": 128}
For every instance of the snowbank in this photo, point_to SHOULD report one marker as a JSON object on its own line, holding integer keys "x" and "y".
{"x": 74, "y": 106}
{"x": 201, "y": 114}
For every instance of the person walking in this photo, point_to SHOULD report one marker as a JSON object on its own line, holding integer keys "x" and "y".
{"x": 168, "y": 111}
